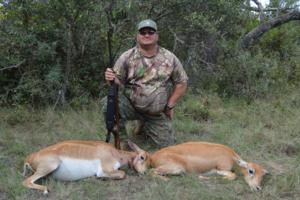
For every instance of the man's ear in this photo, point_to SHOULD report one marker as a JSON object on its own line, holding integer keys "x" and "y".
{"x": 134, "y": 147}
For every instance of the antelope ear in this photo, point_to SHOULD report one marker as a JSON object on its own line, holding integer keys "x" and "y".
{"x": 242, "y": 163}
{"x": 266, "y": 172}
{"x": 134, "y": 147}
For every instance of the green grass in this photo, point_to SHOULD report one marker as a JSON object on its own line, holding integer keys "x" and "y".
{"x": 265, "y": 131}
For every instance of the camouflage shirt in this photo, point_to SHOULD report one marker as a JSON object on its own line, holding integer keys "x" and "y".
{"x": 146, "y": 79}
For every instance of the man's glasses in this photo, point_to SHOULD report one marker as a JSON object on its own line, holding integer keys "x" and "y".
{"x": 147, "y": 32}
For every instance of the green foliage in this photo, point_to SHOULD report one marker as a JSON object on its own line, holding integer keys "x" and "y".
{"x": 64, "y": 46}
{"x": 18, "y": 115}
{"x": 248, "y": 75}
{"x": 197, "y": 109}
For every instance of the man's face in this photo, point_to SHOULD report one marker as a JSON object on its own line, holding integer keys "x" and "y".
{"x": 147, "y": 36}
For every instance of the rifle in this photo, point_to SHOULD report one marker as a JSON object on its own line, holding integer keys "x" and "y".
{"x": 112, "y": 115}
{"x": 112, "y": 112}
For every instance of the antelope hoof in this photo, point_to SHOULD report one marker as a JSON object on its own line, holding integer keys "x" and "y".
{"x": 46, "y": 192}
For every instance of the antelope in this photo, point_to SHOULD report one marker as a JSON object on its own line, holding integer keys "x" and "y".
{"x": 202, "y": 158}
{"x": 74, "y": 160}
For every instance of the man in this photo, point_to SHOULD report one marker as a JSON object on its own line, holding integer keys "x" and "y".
{"x": 144, "y": 74}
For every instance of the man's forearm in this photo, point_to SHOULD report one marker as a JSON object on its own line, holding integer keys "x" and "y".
{"x": 178, "y": 91}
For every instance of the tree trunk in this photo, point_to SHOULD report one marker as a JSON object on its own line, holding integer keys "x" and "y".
{"x": 257, "y": 32}
{"x": 68, "y": 66}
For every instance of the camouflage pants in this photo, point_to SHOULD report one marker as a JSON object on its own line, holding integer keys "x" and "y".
{"x": 156, "y": 127}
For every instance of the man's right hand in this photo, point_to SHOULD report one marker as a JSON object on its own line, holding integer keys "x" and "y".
{"x": 109, "y": 74}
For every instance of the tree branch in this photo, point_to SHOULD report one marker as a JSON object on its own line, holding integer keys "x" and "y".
{"x": 176, "y": 39}
{"x": 14, "y": 66}
{"x": 257, "y": 32}
{"x": 260, "y": 8}
{"x": 267, "y": 9}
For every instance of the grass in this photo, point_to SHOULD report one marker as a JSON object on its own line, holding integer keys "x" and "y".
{"x": 265, "y": 131}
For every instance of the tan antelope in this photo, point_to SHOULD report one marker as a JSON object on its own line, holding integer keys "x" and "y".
{"x": 198, "y": 157}
{"x": 74, "y": 160}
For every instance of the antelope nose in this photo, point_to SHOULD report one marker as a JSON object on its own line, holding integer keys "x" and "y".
{"x": 258, "y": 188}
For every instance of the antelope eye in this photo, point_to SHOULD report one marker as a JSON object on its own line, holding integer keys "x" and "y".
{"x": 251, "y": 171}
{"x": 142, "y": 158}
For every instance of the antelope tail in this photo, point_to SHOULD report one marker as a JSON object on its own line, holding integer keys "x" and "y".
{"x": 25, "y": 167}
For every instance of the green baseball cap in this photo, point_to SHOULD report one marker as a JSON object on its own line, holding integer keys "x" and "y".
{"x": 148, "y": 23}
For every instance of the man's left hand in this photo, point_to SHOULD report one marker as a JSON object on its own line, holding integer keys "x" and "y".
{"x": 169, "y": 113}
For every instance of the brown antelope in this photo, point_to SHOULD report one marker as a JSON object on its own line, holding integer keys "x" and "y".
{"x": 199, "y": 157}
{"x": 74, "y": 160}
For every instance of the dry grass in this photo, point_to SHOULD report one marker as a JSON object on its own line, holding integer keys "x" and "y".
{"x": 265, "y": 131}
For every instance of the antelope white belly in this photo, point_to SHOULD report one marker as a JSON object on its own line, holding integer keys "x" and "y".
{"x": 71, "y": 169}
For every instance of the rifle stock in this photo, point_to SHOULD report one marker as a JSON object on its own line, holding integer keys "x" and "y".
{"x": 112, "y": 114}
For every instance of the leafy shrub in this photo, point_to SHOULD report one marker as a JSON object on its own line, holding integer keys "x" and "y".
{"x": 196, "y": 109}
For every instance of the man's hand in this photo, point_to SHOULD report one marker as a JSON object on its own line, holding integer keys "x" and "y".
{"x": 109, "y": 74}
{"x": 169, "y": 112}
